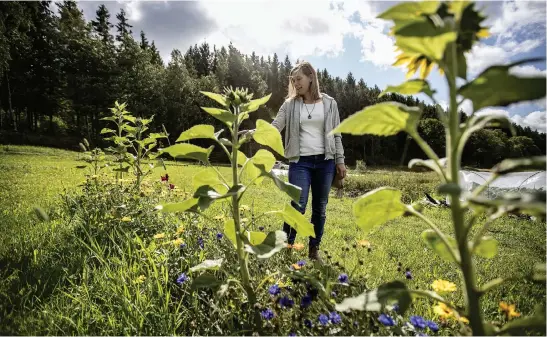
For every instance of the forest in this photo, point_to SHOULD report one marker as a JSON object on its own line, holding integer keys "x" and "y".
{"x": 59, "y": 75}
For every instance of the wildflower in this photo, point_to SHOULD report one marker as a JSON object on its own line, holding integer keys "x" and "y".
{"x": 333, "y": 293}
{"x": 442, "y": 286}
{"x": 464, "y": 320}
{"x": 286, "y": 302}
{"x": 200, "y": 242}
{"x": 243, "y": 208}
{"x": 177, "y": 242}
{"x": 408, "y": 275}
{"x": 442, "y": 310}
{"x": 140, "y": 279}
{"x": 418, "y": 322}
{"x": 274, "y": 290}
{"x": 180, "y": 230}
{"x": 261, "y": 228}
{"x": 343, "y": 278}
{"x": 364, "y": 243}
{"x": 421, "y": 334}
{"x": 395, "y": 308}
{"x": 308, "y": 324}
{"x": 159, "y": 236}
{"x": 182, "y": 278}
{"x": 386, "y": 320}
{"x": 509, "y": 310}
{"x": 323, "y": 319}
{"x": 267, "y": 314}
{"x": 301, "y": 263}
{"x": 295, "y": 266}
{"x": 126, "y": 219}
{"x": 355, "y": 324}
{"x": 306, "y": 301}
{"x": 165, "y": 178}
{"x": 219, "y": 236}
{"x": 335, "y": 318}
{"x": 292, "y": 334}
{"x": 432, "y": 326}
{"x": 171, "y": 186}
{"x": 182, "y": 246}
{"x": 296, "y": 246}
{"x": 219, "y": 217}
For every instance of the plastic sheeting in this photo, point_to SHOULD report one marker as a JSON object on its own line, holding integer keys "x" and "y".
{"x": 511, "y": 182}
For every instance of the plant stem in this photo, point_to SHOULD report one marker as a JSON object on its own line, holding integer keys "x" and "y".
{"x": 244, "y": 269}
{"x": 429, "y": 152}
{"x": 473, "y": 301}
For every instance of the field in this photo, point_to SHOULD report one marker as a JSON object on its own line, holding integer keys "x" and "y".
{"x": 56, "y": 280}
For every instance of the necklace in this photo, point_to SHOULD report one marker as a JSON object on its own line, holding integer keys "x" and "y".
{"x": 309, "y": 112}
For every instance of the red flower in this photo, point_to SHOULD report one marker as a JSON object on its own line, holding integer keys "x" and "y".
{"x": 171, "y": 186}
{"x": 165, "y": 178}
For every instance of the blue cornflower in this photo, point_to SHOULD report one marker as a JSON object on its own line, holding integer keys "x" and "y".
{"x": 323, "y": 319}
{"x": 395, "y": 308}
{"x": 343, "y": 278}
{"x": 432, "y": 325}
{"x": 408, "y": 275}
{"x": 182, "y": 246}
{"x": 200, "y": 242}
{"x": 274, "y": 290}
{"x": 306, "y": 301}
{"x": 308, "y": 323}
{"x": 219, "y": 236}
{"x": 335, "y": 318}
{"x": 267, "y": 314}
{"x": 292, "y": 334}
{"x": 301, "y": 263}
{"x": 286, "y": 302}
{"x": 386, "y": 320}
{"x": 333, "y": 293}
{"x": 182, "y": 278}
{"x": 418, "y": 322}
{"x": 355, "y": 324}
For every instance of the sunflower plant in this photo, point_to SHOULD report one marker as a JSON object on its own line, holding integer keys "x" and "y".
{"x": 439, "y": 34}
{"x": 212, "y": 186}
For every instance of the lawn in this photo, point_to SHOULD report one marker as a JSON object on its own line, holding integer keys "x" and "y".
{"x": 44, "y": 285}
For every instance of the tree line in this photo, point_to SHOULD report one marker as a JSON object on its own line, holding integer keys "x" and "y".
{"x": 60, "y": 74}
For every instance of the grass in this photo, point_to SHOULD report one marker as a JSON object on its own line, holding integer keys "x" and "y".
{"x": 54, "y": 284}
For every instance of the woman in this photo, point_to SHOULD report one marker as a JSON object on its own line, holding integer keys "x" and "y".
{"x": 314, "y": 156}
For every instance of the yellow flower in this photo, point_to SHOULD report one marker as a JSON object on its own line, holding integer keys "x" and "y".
{"x": 177, "y": 242}
{"x": 159, "y": 236}
{"x": 126, "y": 219}
{"x": 140, "y": 279}
{"x": 442, "y": 310}
{"x": 442, "y": 286}
{"x": 464, "y": 320}
{"x": 509, "y": 310}
{"x": 243, "y": 208}
{"x": 296, "y": 246}
{"x": 296, "y": 266}
{"x": 180, "y": 230}
{"x": 364, "y": 243}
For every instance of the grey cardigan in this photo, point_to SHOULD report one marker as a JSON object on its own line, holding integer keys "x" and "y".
{"x": 289, "y": 117}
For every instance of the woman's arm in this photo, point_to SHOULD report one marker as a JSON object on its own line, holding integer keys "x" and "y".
{"x": 279, "y": 121}
{"x": 337, "y": 136}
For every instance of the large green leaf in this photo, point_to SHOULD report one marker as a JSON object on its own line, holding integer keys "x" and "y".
{"x": 262, "y": 157}
{"x": 197, "y": 131}
{"x": 377, "y": 207}
{"x": 377, "y": 299}
{"x": 256, "y": 238}
{"x": 209, "y": 177}
{"x": 254, "y": 104}
{"x": 382, "y": 119}
{"x": 207, "y": 265}
{"x": 296, "y": 220}
{"x": 409, "y": 10}
{"x": 497, "y": 87}
{"x": 107, "y": 130}
{"x": 222, "y": 115}
{"x": 187, "y": 205}
{"x": 291, "y": 190}
{"x": 410, "y": 87}
{"x": 435, "y": 242}
{"x": 487, "y": 247}
{"x": 216, "y": 97}
{"x": 513, "y": 165}
{"x": 266, "y": 134}
{"x": 207, "y": 194}
{"x": 205, "y": 280}
{"x": 230, "y": 230}
{"x": 191, "y": 151}
{"x": 424, "y": 38}
{"x": 274, "y": 242}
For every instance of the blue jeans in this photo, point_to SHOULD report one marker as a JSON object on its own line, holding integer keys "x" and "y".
{"x": 317, "y": 173}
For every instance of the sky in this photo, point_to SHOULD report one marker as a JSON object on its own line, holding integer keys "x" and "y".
{"x": 341, "y": 36}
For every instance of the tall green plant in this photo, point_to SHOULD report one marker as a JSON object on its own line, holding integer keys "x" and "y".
{"x": 211, "y": 186}
{"x": 430, "y": 34}
{"x": 132, "y": 149}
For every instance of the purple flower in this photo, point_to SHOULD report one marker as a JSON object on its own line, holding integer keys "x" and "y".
{"x": 274, "y": 290}
{"x": 308, "y": 323}
{"x": 301, "y": 263}
{"x": 432, "y": 325}
{"x": 395, "y": 308}
{"x": 408, "y": 275}
{"x": 182, "y": 246}
{"x": 418, "y": 322}
{"x": 333, "y": 293}
{"x": 286, "y": 302}
{"x": 355, "y": 324}
{"x": 323, "y": 319}
{"x": 261, "y": 228}
{"x": 182, "y": 278}
{"x": 386, "y": 320}
{"x": 343, "y": 278}
{"x": 219, "y": 236}
{"x": 267, "y": 314}
{"x": 335, "y": 318}
{"x": 292, "y": 334}
{"x": 306, "y": 301}
{"x": 200, "y": 242}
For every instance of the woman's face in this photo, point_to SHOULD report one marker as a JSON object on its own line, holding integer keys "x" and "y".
{"x": 301, "y": 82}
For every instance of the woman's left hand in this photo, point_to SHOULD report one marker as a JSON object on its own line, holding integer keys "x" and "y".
{"x": 341, "y": 170}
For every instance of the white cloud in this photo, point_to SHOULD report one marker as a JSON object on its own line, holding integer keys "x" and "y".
{"x": 133, "y": 9}
{"x": 527, "y": 71}
{"x": 535, "y": 120}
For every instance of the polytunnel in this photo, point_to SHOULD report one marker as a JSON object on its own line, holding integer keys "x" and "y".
{"x": 511, "y": 182}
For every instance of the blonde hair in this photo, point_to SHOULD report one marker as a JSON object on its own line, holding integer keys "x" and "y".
{"x": 306, "y": 69}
